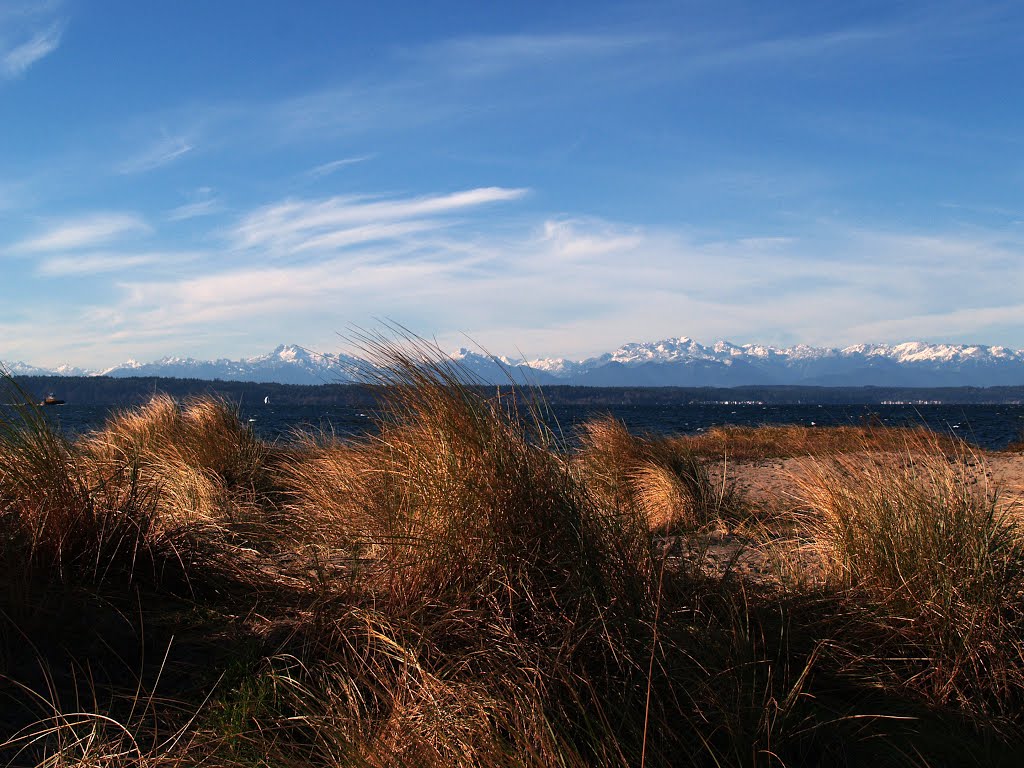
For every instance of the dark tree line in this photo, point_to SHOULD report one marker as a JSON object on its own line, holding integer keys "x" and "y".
{"x": 100, "y": 390}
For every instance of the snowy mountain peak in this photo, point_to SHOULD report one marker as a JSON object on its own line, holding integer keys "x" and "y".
{"x": 283, "y": 352}
{"x": 130, "y": 364}
{"x": 70, "y": 370}
{"x": 462, "y": 353}
{"x": 663, "y": 351}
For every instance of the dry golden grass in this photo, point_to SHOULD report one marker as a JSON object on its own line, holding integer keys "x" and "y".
{"x": 770, "y": 441}
{"x": 664, "y": 498}
{"x": 454, "y": 489}
{"x": 317, "y": 478}
{"x": 196, "y": 460}
{"x": 63, "y": 517}
{"x": 464, "y": 590}
{"x": 925, "y": 536}
{"x": 660, "y": 479}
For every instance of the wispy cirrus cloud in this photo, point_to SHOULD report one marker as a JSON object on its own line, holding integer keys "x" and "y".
{"x": 326, "y": 169}
{"x": 260, "y": 292}
{"x": 475, "y": 77}
{"x": 627, "y": 283}
{"x": 977, "y": 323}
{"x": 204, "y": 203}
{"x": 83, "y": 232}
{"x": 448, "y": 80}
{"x": 195, "y": 210}
{"x": 163, "y": 152}
{"x": 788, "y": 49}
{"x": 104, "y": 262}
{"x": 16, "y": 59}
{"x": 348, "y": 108}
{"x": 303, "y": 224}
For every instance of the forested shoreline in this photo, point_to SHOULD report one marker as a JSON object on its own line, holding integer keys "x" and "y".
{"x": 103, "y": 390}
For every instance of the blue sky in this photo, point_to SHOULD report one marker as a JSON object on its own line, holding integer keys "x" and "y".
{"x": 212, "y": 179}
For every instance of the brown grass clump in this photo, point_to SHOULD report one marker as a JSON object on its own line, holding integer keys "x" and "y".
{"x": 54, "y": 512}
{"x": 318, "y": 477}
{"x": 460, "y": 497}
{"x": 198, "y": 461}
{"x": 927, "y": 539}
{"x": 204, "y": 433}
{"x": 664, "y": 498}
{"x": 460, "y": 516}
{"x": 658, "y": 478}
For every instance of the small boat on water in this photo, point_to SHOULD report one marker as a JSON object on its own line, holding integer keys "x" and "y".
{"x": 51, "y": 400}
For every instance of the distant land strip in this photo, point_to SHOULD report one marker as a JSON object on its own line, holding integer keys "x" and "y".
{"x": 109, "y": 391}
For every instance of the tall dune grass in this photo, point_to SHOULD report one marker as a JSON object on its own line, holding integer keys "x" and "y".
{"x": 927, "y": 538}
{"x": 457, "y": 493}
{"x": 199, "y": 461}
{"x": 659, "y": 479}
{"x": 487, "y": 540}
{"x": 55, "y": 513}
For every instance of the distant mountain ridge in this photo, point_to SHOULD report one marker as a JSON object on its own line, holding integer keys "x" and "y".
{"x": 288, "y": 364}
{"x": 678, "y": 361}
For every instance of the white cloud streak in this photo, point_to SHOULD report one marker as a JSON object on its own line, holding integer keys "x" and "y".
{"x": 15, "y": 61}
{"x": 297, "y": 225}
{"x": 204, "y": 202}
{"x": 336, "y": 165}
{"x": 576, "y": 286}
{"x": 976, "y": 322}
{"x": 207, "y": 207}
{"x": 447, "y": 81}
{"x": 84, "y": 232}
{"x": 790, "y": 49}
{"x": 162, "y": 153}
{"x": 99, "y": 263}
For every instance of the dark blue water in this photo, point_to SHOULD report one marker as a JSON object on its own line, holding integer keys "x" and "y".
{"x": 988, "y": 426}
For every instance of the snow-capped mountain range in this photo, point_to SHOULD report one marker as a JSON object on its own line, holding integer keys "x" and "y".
{"x": 670, "y": 362}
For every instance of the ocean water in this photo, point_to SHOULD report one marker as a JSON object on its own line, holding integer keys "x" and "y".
{"x": 987, "y": 426}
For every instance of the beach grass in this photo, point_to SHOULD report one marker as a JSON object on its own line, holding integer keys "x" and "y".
{"x": 790, "y": 440}
{"x": 464, "y": 588}
{"x": 927, "y": 539}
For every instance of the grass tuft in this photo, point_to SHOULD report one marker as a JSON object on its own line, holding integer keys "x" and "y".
{"x": 56, "y": 514}
{"x": 660, "y": 479}
{"x": 926, "y": 538}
